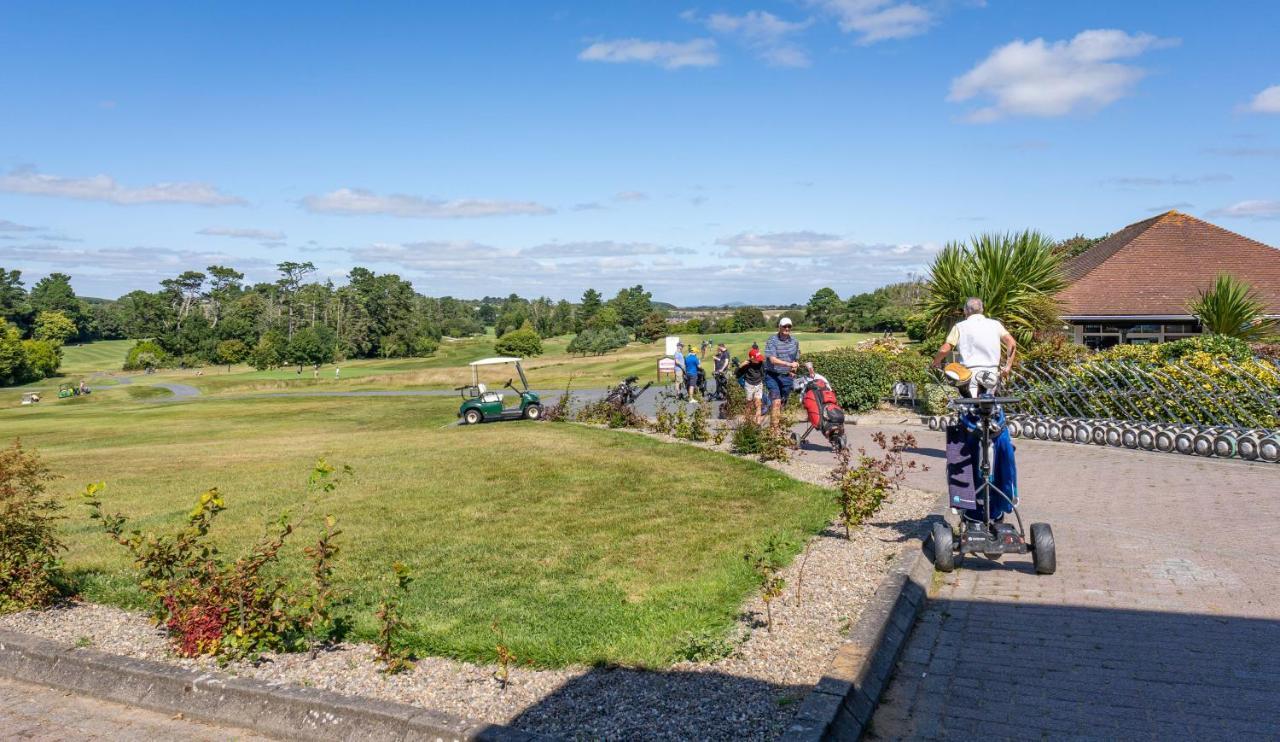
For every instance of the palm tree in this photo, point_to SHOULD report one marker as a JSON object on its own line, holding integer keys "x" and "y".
{"x": 1017, "y": 276}
{"x": 1233, "y": 308}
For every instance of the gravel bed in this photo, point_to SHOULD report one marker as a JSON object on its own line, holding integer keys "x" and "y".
{"x": 752, "y": 694}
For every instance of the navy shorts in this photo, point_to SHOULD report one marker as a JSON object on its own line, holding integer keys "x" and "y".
{"x": 779, "y": 386}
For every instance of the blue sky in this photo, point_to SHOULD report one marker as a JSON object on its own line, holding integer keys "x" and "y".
{"x": 744, "y": 151}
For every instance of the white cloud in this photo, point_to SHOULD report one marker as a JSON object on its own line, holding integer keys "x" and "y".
{"x": 161, "y": 262}
{"x": 105, "y": 188}
{"x": 820, "y": 246}
{"x": 598, "y": 248}
{"x": 670, "y": 55}
{"x": 1039, "y": 78}
{"x": 1268, "y": 101}
{"x": 1172, "y": 180}
{"x": 588, "y": 206}
{"x": 353, "y": 201}
{"x": 433, "y": 254}
{"x": 631, "y": 196}
{"x": 8, "y": 226}
{"x": 879, "y": 20}
{"x": 765, "y": 33}
{"x": 1256, "y": 209}
{"x": 246, "y": 234}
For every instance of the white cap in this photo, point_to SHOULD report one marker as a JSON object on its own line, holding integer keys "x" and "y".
{"x": 784, "y": 321}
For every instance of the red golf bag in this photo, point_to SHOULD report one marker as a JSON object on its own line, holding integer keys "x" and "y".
{"x": 824, "y": 413}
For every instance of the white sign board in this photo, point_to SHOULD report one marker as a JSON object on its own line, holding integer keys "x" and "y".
{"x": 671, "y": 344}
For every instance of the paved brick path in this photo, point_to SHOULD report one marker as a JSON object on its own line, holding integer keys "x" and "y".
{"x": 1162, "y": 622}
{"x": 33, "y": 712}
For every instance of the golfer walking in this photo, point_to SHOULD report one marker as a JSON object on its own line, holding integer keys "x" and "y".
{"x": 979, "y": 340}
{"x": 782, "y": 358}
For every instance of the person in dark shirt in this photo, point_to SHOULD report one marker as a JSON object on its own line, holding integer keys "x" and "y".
{"x": 752, "y": 371}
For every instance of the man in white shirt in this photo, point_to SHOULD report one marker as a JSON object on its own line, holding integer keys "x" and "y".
{"x": 979, "y": 340}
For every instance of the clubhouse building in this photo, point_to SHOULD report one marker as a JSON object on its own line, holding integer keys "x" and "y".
{"x": 1134, "y": 286}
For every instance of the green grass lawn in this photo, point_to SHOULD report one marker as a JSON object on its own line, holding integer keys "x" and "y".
{"x": 589, "y": 546}
{"x": 103, "y": 355}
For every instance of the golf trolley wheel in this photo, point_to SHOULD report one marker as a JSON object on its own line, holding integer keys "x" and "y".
{"x": 1224, "y": 445}
{"x": 1269, "y": 449}
{"x": 1068, "y": 433}
{"x": 1114, "y": 435}
{"x": 1099, "y": 435}
{"x": 935, "y": 423}
{"x": 839, "y": 442}
{"x": 1015, "y": 428}
{"x": 1164, "y": 440}
{"x": 1202, "y": 444}
{"x": 1184, "y": 442}
{"x": 1054, "y": 431}
{"x": 1147, "y": 438}
{"x": 1083, "y": 432}
{"x": 944, "y": 547}
{"x": 1247, "y": 446}
{"x": 1042, "y": 430}
{"x": 1042, "y": 552}
{"x": 1129, "y": 437}
{"x": 472, "y": 417}
{"x": 533, "y": 412}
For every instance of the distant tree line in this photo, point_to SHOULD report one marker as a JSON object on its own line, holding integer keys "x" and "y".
{"x": 886, "y": 308}
{"x": 36, "y": 324}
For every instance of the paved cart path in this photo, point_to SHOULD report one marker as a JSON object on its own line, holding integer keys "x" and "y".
{"x": 38, "y": 713}
{"x": 1163, "y": 620}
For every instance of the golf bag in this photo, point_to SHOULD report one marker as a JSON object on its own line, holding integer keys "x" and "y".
{"x": 721, "y": 381}
{"x": 702, "y": 382}
{"x": 824, "y": 413}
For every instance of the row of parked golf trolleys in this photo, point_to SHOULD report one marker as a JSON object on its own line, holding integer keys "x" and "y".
{"x": 1198, "y": 440}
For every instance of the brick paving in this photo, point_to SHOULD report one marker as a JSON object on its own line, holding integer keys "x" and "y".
{"x": 34, "y": 712}
{"x": 1162, "y": 622}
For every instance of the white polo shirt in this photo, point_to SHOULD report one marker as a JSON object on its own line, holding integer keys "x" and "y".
{"x": 978, "y": 340}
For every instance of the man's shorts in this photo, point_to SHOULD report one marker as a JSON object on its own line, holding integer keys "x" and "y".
{"x": 755, "y": 391}
{"x": 780, "y": 386}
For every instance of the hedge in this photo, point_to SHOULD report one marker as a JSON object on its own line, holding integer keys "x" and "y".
{"x": 861, "y": 378}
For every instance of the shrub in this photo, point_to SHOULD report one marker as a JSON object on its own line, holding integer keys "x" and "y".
{"x": 863, "y": 482}
{"x": 766, "y": 563}
{"x": 523, "y": 343}
{"x": 227, "y": 609}
{"x": 29, "y": 543}
{"x": 706, "y": 645}
{"x": 595, "y": 341}
{"x": 390, "y": 652}
{"x": 613, "y": 414}
{"x": 861, "y": 378}
{"x": 735, "y": 400}
{"x": 146, "y": 354}
{"x": 747, "y": 438}
{"x": 43, "y": 357}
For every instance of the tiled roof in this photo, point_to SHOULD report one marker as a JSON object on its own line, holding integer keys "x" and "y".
{"x": 1159, "y": 265}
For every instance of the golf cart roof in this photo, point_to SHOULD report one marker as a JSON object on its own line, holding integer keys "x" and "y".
{"x": 493, "y": 361}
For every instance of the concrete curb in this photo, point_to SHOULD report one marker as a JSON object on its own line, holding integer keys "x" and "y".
{"x": 285, "y": 711}
{"x": 841, "y": 704}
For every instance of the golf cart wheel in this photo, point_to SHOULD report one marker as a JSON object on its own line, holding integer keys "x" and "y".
{"x": 1247, "y": 447}
{"x": 533, "y": 412}
{"x": 1042, "y": 552}
{"x": 944, "y": 554}
{"x": 1129, "y": 437}
{"x": 1202, "y": 444}
{"x": 1164, "y": 441}
{"x": 1184, "y": 442}
{"x": 472, "y": 417}
{"x": 1146, "y": 439}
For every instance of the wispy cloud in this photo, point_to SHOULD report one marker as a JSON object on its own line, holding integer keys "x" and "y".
{"x": 8, "y": 226}
{"x": 631, "y": 196}
{"x": 159, "y": 261}
{"x": 597, "y": 248}
{"x": 671, "y": 55}
{"x": 1172, "y": 180}
{"x": 588, "y": 206}
{"x": 357, "y": 201}
{"x": 105, "y": 188}
{"x": 1181, "y": 205}
{"x": 810, "y": 244}
{"x": 1040, "y": 78}
{"x": 878, "y": 20}
{"x": 1257, "y": 209}
{"x": 767, "y": 35}
{"x": 244, "y": 234}
{"x": 1268, "y": 101}
{"x": 1244, "y": 151}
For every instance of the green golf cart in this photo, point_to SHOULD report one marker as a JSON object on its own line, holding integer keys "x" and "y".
{"x": 481, "y": 404}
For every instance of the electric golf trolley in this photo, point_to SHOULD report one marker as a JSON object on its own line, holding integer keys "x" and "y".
{"x": 982, "y": 418}
{"x": 481, "y": 404}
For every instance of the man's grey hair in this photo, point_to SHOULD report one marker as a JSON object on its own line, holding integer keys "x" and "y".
{"x": 972, "y": 306}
